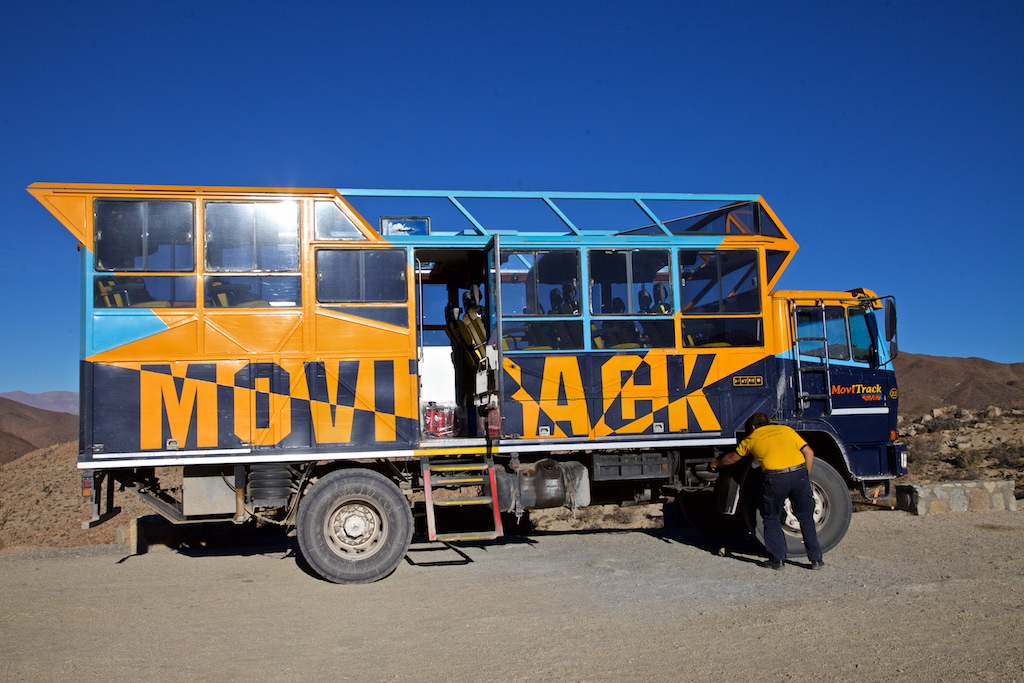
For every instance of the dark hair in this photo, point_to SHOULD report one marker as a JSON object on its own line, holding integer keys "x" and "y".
{"x": 757, "y": 420}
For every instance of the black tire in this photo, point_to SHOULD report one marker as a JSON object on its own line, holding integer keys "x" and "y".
{"x": 832, "y": 512}
{"x": 354, "y": 526}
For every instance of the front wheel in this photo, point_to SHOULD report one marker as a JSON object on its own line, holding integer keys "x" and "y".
{"x": 832, "y": 512}
{"x": 354, "y": 526}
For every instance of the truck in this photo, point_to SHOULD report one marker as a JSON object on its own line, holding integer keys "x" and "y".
{"x": 357, "y": 366}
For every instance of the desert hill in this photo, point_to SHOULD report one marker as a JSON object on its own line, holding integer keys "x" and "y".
{"x": 24, "y": 429}
{"x": 928, "y": 382}
{"x": 57, "y": 401}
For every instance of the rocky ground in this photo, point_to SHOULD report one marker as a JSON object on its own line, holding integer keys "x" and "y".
{"x": 957, "y": 443}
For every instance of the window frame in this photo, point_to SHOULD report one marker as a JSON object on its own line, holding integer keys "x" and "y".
{"x": 254, "y": 246}
{"x": 723, "y": 309}
{"x": 361, "y": 279}
{"x": 144, "y": 238}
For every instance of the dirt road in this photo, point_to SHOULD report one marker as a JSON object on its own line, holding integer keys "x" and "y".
{"x": 903, "y": 597}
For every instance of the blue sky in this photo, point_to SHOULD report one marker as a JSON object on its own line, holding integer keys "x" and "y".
{"x": 888, "y": 137}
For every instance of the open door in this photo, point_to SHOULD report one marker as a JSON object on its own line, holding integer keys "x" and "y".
{"x": 457, "y": 353}
{"x": 490, "y": 407}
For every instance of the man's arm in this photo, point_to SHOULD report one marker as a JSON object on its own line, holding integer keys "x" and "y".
{"x": 730, "y": 458}
{"x": 808, "y": 456}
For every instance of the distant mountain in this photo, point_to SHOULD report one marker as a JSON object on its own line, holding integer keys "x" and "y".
{"x": 928, "y": 382}
{"x": 57, "y": 401}
{"x": 24, "y": 429}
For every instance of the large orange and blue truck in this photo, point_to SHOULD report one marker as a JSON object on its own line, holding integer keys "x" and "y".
{"x": 359, "y": 366}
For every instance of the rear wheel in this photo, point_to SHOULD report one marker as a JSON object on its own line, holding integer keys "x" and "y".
{"x": 354, "y": 526}
{"x": 832, "y": 512}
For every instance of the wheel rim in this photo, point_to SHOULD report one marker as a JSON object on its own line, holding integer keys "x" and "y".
{"x": 791, "y": 525}
{"x": 355, "y": 529}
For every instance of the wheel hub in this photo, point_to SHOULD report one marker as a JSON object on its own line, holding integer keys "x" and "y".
{"x": 355, "y": 528}
{"x": 789, "y": 520}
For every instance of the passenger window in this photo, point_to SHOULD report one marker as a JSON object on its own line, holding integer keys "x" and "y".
{"x": 625, "y": 287}
{"x": 718, "y": 332}
{"x": 144, "y": 292}
{"x": 332, "y": 224}
{"x": 144, "y": 235}
{"x": 252, "y": 236}
{"x": 253, "y": 291}
{"x": 720, "y": 295}
{"x": 540, "y": 299}
{"x": 717, "y": 282}
{"x": 540, "y": 283}
{"x": 630, "y": 282}
{"x": 361, "y": 276}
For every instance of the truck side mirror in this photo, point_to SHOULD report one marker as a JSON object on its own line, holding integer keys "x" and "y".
{"x": 890, "y": 327}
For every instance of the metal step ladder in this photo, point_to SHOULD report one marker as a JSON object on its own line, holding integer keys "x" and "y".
{"x": 446, "y": 473}
{"x": 817, "y": 334}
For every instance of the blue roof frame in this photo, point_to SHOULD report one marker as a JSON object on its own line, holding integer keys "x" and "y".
{"x": 551, "y": 199}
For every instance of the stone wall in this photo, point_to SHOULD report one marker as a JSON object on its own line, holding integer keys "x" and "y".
{"x": 956, "y": 496}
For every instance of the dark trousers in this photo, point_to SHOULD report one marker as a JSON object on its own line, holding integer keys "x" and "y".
{"x": 795, "y": 485}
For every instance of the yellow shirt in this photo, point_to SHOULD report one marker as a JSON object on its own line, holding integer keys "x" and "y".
{"x": 776, "y": 447}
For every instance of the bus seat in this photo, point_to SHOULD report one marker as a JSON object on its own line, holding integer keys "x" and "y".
{"x": 620, "y": 334}
{"x": 555, "y": 300}
{"x": 570, "y": 303}
{"x": 661, "y": 300}
{"x": 125, "y": 293}
{"x": 108, "y": 295}
{"x": 474, "y": 316}
{"x": 644, "y": 300}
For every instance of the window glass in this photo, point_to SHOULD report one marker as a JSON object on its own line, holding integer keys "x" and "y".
{"x": 809, "y": 332}
{"x": 860, "y": 336}
{"x": 813, "y": 339}
{"x": 253, "y": 291}
{"x": 634, "y": 282}
{"x": 332, "y": 224}
{"x": 716, "y": 332}
{"x": 735, "y": 219}
{"x": 252, "y": 236}
{"x": 835, "y": 331}
{"x": 773, "y": 261}
{"x": 542, "y": 334}
{"x": 361, "y": 275}
{"x": 540, "y": 283}
{"x": 144, "y": 235}
{"x": 716, "y": 282}
{"x": 144, "y": 292}
{"x": 767, "y": 225}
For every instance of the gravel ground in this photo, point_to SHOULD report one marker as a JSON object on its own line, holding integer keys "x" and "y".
{"x": 903, "y": 597}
